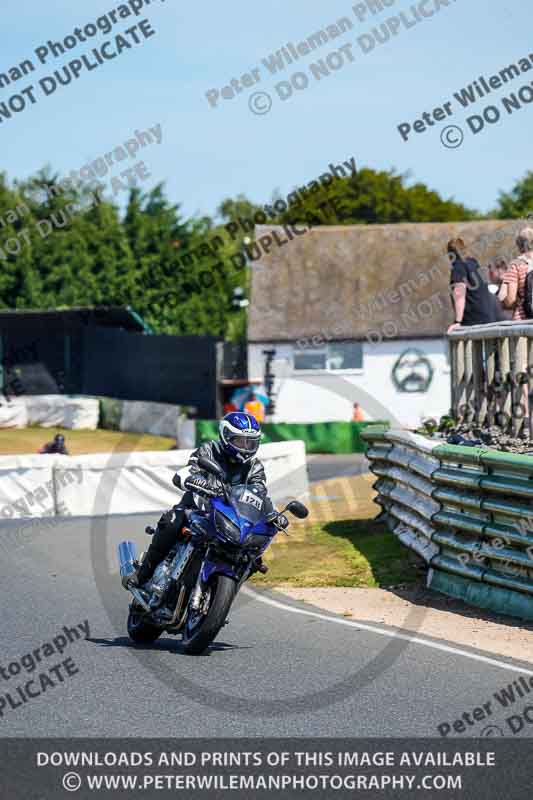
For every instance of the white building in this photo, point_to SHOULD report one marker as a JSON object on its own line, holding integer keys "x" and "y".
{"x": 359, "y": 313}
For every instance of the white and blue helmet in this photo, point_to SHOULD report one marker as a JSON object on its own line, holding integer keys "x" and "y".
{"x": 240, "y": 435}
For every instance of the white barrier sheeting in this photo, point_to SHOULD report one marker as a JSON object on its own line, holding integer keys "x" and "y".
{"x": 286, "y": 469}
{"x": 61, "y": 411}
{"x": 77, "y": 413}
{"x": 81, "y": 413}
{"x": 123, "y": 483}
{"x": 159, "y": 419}
{"x": 186, "y": 433}
{"x": 26, "y": 487}
{"x": 13, "y": 415}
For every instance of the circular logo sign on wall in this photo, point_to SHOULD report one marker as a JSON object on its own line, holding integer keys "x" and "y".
{"x": 412, "y": 372}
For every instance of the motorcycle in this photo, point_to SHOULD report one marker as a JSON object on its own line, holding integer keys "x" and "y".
{"x": 192, "y": 590}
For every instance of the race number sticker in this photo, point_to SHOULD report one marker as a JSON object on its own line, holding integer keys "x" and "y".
{"x": 252, "y": 500}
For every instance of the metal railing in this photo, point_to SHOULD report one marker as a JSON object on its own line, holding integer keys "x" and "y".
{"x": 492, "y": 376}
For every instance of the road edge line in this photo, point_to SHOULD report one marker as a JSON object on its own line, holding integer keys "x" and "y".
{"x": 384, "y": 632}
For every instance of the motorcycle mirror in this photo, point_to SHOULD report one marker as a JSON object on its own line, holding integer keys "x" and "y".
{"x": 297, "y": 509}
{"x": 176, "y": 480}
{"x": 210, "y": 466}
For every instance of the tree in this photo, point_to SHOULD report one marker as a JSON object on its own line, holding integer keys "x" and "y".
{"x": 180, "y": 286}
{"x": 519, "y": 201}
{"x": 374, "y": 198}
{"x": 65, "y": 246}
{"x": 155, "y": 230}
{"x": 19, "y": 283}
{"x": 78, "y": 247}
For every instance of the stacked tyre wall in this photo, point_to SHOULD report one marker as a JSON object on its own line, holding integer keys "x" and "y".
{"x": 467, "y": 511}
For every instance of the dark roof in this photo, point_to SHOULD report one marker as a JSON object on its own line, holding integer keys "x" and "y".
{"x": 106, "y": 316}
{"x": 345, "y": 281}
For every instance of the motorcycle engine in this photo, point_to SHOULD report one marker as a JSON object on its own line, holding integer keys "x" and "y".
{"x": 159, "y": 583}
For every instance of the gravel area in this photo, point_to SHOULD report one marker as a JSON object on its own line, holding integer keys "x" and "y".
{"x": 492, "y": 437}
{"x": 426, "y": 613}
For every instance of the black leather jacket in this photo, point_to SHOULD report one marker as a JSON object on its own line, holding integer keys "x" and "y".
{"x": 252, "y": 473}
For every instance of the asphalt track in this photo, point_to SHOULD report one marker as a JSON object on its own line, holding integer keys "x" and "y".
{"x": 324, "y": 467}
{"x": 272, "y": 672}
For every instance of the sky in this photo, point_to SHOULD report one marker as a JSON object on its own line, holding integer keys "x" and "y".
{"x": 209, "y": 153}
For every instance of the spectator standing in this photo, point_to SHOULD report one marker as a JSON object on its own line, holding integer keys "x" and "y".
{"x": 358, "y": 413}
{"x": 512, "y": 295}
{"x": 497, "y": 270}
{"x": 255, "y": 407}
{"x": 472, "y": 302}
{"x": 512, "y": 290}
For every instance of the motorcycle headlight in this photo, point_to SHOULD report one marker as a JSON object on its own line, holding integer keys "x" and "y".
{"x": 227, "y": 527}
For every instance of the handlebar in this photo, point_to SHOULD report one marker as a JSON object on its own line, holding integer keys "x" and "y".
{"x": 201, "y": 485}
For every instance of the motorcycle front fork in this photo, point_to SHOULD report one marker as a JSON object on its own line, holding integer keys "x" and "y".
{"x": 198, "y": 594}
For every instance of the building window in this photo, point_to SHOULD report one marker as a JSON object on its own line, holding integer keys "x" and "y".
{"x": 330, "y": 357}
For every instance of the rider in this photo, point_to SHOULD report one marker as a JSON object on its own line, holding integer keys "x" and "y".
{"x": 55, "y": 446}
{"x": 235, "y": 450}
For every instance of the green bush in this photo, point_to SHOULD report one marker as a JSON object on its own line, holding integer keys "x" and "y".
{"x": 110, "y": 413}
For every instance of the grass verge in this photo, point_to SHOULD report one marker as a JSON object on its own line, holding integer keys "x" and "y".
{"x": 330, "y": 549}
{"x": 28, "y": 440}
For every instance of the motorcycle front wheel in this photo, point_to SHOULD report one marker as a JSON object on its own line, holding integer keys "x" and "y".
{"x": 201, "y": 629}
{"x": 141, "y": 631}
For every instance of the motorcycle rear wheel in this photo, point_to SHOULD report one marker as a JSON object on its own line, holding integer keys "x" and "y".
{"x": 198, "y": 636}
{"x": 141, "y": 631}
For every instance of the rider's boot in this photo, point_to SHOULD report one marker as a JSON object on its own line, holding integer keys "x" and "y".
{"x": 146, "y": 569}
{"x": 163, "y": 539}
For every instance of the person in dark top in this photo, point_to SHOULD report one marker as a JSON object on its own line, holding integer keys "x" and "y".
{"x": 472, "y": 301}
{"x": 56, "y": 446}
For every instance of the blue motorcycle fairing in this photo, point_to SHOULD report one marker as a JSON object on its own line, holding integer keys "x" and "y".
{"x": 218, "y": 504}
{"x": 261, "y": 528}
{"x": 256, "y": 525}
{"x": 218, "y": 567}
{"x": 264, "y": 529}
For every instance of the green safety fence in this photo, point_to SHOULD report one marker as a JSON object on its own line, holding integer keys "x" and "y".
{"x": 319, "y": 437}
{"x": 468, "y": 511}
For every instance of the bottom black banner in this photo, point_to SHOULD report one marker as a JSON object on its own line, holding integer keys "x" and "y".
{"x": 39, "y": 769}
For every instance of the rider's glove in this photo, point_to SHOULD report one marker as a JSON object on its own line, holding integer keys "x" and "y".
{"x": 282, "y": 521}
{"x": 201, "y": 485}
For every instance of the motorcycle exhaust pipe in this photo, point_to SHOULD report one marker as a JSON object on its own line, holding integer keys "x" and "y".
{"x": 140, "y": 599}
{"x": 127, "y": 555}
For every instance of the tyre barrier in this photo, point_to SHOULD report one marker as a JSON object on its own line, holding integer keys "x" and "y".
{"x": 467, "y": 511}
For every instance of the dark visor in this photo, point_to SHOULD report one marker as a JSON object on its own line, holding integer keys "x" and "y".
{"x": 245, "y": 443}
